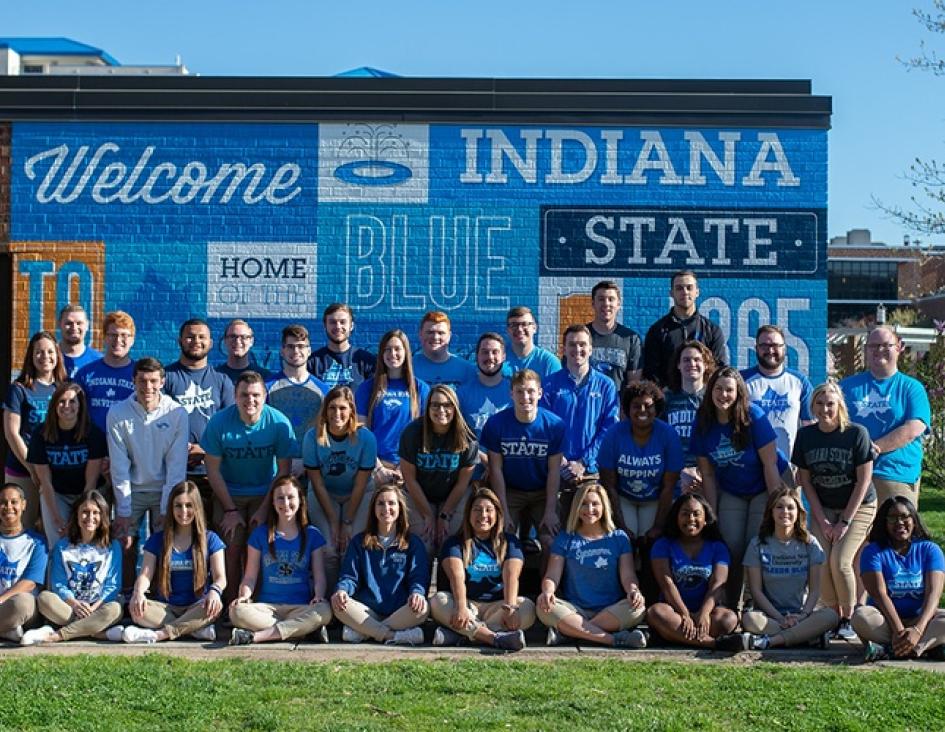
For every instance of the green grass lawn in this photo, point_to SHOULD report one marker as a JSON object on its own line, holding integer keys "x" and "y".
{"x": 932, "y": 510}
{"x": 157, "y": 692}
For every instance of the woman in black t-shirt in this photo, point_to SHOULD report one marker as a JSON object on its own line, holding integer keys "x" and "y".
{"x": 835, "y": 469}
{"x": 66, "y": 451}
{"x": 438, "y": 453}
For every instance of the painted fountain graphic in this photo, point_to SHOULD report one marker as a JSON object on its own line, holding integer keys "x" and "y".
{"x": 375, "y": 149}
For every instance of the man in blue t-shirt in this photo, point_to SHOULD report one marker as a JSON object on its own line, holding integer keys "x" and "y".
{"x": 488, "y": 393}
{"x": 338, "y": 362}
{"x": 895, "y": 410}
{"x": 200, "y": 389}
{"x": 435, "y": 364}
{"x": 525, "y": 451}
{"x": 238, "y": 339}
{"x": 524, "y": 354}
{"x": 247, "y": 446}
{"x": 73, "y": 325}
{"x": 109, "y": 380}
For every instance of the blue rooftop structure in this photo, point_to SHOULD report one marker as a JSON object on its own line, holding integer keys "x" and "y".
{"x": 367, "y": 72}
{"x": 44, "y": 46}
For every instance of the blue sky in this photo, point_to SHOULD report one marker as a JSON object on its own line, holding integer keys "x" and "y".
{"x": 884, "y": 116}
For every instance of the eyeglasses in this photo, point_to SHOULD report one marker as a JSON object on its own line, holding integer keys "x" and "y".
{"x": 112, "y": 336}
{"x": 441, "y": 407}
{"x": 519, "y": 325}
{"x": 894, "y": 519}
{"x": 770, "y": 346}
{"x": 244, "y": 338}
{"x": 295, "y": 346}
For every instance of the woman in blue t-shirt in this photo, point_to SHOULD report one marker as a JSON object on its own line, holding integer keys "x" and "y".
{"x": 285, "y": 567}
{"x": 640, "y": 458}
{"x": 736, "y": 449}
{"x": 389, "y": 400}
{"x": 690, "y": 563}
{"x": 382, "y": 587}
{"x": 65, "y": 453}
{"x": 483, "y": 564}
{"x": 178, "y": 564}
{"x": 25, "y": 409}
{"x": 599, "y": 599}
{"x": 84, "y": 579}
{"x": 903, "y": 572}
{"x": 339, "y": 456}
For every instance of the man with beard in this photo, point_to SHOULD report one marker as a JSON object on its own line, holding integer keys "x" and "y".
{"x": 895, "y": 410}
{"x": 338, "y": 362}
{"x": 682, "y": 323}
{"x": 617, "y": 349}
{"x": 201, "y": 390}
{"x": 488, "y": 393}
{"x": 73, "y": 325}
{"x": 782, "y": 393}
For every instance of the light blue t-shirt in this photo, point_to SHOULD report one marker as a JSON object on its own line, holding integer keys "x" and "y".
{"x": 904, "y": 576}
{"x": 72, "y": 364}
{"x": 286, "y": 578}
{"x": 540, "y": 360}
{"x": 85, "y": 572}
{"x": 784, "y": 399}
{"x": 478, "y": 402}
{"x": 391, "y": 414}
{"x": 640, "y": 469}
{"x": 737, "y": 471}
{"x": 22, "y": 557}
{"x": 182, "y": 568}
{"x": 340, "y": 460}
{"x": 524, "y": 446}
{"x": 249, "y": 452}
{"x": 591, "y": 578}
{"x": 452, "y": 372}
{"x": 690, "y": 575}
{"x": 882, "y": 405}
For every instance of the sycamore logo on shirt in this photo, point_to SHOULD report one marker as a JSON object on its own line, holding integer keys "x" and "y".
{"x": 872, "y": 404}
{"x": 725, "y": 454}
{"x": 601, "y": 563}
{"x": 195, "y": 398}
{"x": 8, "y": 569}
{"x": 481, "y": 416}
{"x": 774, "y": 404}
{"x": 83, "y": 581}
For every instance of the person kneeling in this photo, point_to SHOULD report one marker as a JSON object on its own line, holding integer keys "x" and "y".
{"x": 382, "y": 587}
{"x": 291, "y": 600}
{"x": 180, "y": 558}
{"x": 690, "y": 564}
{"x": 600, "y": 597}
{"x": 483, "y": 564}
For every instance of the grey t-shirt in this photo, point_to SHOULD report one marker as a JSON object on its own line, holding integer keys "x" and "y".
{"x": 784, "y": 569}
{"x": 614, "y": 354}
{"x": 832, "y": 459}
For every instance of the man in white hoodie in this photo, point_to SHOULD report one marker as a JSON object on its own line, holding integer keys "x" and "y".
{"x": 147, "y": 444}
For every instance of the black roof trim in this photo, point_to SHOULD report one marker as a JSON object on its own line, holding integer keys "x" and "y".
{"x": 767, "y": 103}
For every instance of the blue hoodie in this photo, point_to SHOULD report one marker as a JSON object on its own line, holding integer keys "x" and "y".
{"x": 382, "y": 579}
{"x": 587, "y": 410}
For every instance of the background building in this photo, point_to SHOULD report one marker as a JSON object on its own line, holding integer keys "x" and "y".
{"x": 63, "y": 56}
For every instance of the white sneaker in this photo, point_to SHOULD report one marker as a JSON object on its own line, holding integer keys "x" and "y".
{"x": 350, "y": 635}
{"x": 13, "y": 635}
{"x": 207, "y": 633}
{"x": 553, "y": 638}
{"x": 410, "y": 637}
{"x": 113, "y": 634}
{"x": 134, "y": 634}
{"x": 37, "y": 635}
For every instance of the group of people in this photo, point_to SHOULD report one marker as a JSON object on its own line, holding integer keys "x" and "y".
{"x": 652, "y": 478}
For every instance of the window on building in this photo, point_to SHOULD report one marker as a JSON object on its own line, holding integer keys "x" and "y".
{"x": 32, "y": 68}
{"x": 875, "y": 280}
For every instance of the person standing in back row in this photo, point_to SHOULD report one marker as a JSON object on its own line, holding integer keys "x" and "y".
{"x": 682, "y": 323}
{"x": 617, "y": 349}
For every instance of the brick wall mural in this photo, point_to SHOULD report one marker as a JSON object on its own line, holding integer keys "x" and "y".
{"x": 272, "y": 222}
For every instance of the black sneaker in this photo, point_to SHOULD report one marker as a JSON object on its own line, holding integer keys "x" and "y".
{"x": 733, "y": 642}
{"x": 934, "y": 654}
{"x": 875, "y": 652}
{"x": 513, "y": 640}
{"x": 241, "y": 637}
